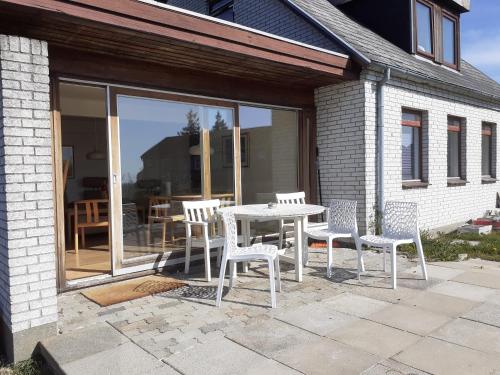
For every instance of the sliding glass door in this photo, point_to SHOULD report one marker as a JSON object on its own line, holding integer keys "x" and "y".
{"x": 166, "y": 149}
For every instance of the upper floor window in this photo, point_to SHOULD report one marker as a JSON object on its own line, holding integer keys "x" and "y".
{"x": 223, "y": 9}
{"x": 449, "y": 40}
{"x": 411, "y": 145}
{"x": 424, "y": 28}
{"x": 436, "y": 32}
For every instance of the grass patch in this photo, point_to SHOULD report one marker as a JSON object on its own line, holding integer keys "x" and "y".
{"x": 445, "y": 247}
{"x": 28, "y": 367}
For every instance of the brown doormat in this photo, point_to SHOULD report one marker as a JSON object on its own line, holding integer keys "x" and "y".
{"x": 131, "y": 289}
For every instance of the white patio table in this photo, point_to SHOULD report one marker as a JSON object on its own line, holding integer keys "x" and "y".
{"x": 296, "y": 212}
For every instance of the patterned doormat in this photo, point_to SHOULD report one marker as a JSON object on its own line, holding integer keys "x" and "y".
{"x": 128, "y": 290}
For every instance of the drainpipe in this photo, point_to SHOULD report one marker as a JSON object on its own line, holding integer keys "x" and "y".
{"x": 380, "y": 138}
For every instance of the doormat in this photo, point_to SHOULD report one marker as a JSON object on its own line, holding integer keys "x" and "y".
{"x": 128, "y": 290}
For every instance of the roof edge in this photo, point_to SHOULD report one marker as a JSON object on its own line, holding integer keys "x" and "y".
{"x": 404, "y": 73}
{"x": 357, "y": 55}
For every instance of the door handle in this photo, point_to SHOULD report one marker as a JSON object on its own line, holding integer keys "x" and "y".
{"x": 115, "y": 178}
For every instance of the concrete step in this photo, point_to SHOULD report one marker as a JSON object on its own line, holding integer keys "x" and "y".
{"x": 101, "y": 350}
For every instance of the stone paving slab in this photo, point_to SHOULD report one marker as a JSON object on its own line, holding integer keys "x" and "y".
{"x": 467, "y": 291}
{"x": 471, "y": 334}
{"x": 441, "y": 304}
{"x": 327, "y": 357}
{"x": 83, "y": 343}
{"x": 127, "y": 359}
{"x": 316, "y": 317}
{"x": 225, "y": 357}
{"x": 374, "y": 338}
{"x": 487, "y": 313}
{"x": 411, "y": 319}
{"x": 436, "y": 271}
{"x": 353, "y": 304}
{"x": 443, "y": 358}
{"x": 271, "y": 337}
{"x": 481, "y": 278}
{"x": 392, "y": 367}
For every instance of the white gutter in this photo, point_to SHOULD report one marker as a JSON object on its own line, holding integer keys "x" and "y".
{"x": 380, "y": 139}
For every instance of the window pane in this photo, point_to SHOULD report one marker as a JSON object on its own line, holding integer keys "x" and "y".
{"x": 269, "y": 153}
{"x": 410, "y": 153}
{"x": 486, "y": 155}
{"x": 411, "y": 116}
{"x": 453, "y": 154}
{"x": 449, "y": 54}
{"x": 424, "y": 27}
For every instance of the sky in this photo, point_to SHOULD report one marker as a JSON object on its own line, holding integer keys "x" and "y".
{"x": 481, "y": 36}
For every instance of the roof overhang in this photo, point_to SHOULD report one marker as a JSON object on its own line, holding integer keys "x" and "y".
{"x": 167, "y": 35}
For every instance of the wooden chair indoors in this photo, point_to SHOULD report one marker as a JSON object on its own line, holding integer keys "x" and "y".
{"x": 162, "y": 210}
{"x": 92, "y": 213}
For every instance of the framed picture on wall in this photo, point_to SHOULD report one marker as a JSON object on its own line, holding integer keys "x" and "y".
{"x": 227, "y": 151}
{"x": 67, "y": 156}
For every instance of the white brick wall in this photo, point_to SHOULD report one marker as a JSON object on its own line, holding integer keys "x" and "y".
{"x": 439, "y": 204}
{"x": 347, "y": 143}
{"x": 27, "y": 248}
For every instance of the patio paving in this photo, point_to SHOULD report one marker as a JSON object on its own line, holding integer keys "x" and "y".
{"x": 321, "y": 326}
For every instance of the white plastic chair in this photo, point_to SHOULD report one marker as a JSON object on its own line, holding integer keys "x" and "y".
{"x": 202, "y": 214}
{"x": 342, "y": 223}
{"x": 234, "y": 253}
{"x": 400, "y": 226}
{"x": 294, "y": 198}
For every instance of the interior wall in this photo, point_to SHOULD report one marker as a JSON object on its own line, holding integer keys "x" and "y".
{"x": 82, "y": 133}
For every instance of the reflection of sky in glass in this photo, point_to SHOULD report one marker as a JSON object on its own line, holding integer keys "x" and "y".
{"x": 253, "y": 117}
{"x": 448, "y": 40}
{"x": 146, "y": 122}
{"x": 424, "y": 28}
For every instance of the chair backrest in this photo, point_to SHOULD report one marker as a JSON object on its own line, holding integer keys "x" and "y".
{"x": 342, "y": 216}
{"x": 93, "y": 211}
{"x": 200, "y": 211}
{"x": 231, "y": 233}
{"x": 400, "y": 220}
{"x": 155, "y": 201}
{"x": 291, "y": 198}
{"x": 130, "y": 218}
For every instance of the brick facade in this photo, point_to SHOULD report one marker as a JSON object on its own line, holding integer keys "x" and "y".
{"x": 27, "y": 248}
{"x": 346, "y": 117}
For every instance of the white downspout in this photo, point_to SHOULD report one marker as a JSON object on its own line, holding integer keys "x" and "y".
{"x": 380, "y": 138}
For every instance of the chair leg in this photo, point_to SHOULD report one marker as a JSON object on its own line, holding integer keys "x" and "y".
{"x": 76, "y": 240}
{"x": 385, "y": 261}
{"x": 361, "y": 264}
{"x": 272, "y": 283}
{"x": 305, "y": 250}
{"x": 394, "y": 266}
{"x": 83, "y": 238}
{"x": 164, "y": 235}
{"x": 232, "y": 266}
{"x": 219, "y": 256}
{"x": 188, "y": 255}
{"x": 420, "y": 251}
{"x": 278, "y": 273}
{"x": 220, "y": 287}
{"x": 280, "y": 243}
{"x": 208, "y": 274}
{"x": 329, "y": 253}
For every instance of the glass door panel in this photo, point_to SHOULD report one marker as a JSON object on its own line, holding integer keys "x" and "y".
{"x": 165, "y": 149}
{"x": 220, "y": 126}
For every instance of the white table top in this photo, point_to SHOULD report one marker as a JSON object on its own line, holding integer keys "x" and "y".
{"x": 281, "y": 211}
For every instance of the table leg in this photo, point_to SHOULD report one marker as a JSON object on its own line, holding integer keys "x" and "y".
{"x": 305, "y": 245}
{"x": 247, "y": 241}
{"x": 299, "y": 243}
